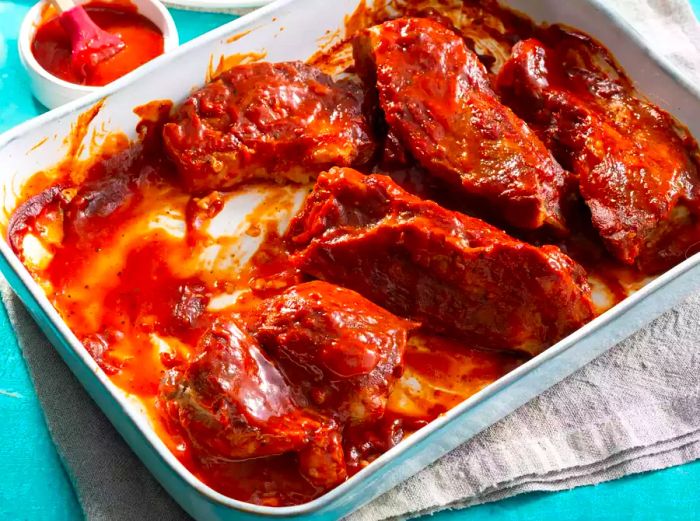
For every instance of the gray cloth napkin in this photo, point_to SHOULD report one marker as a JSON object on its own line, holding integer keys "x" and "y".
{"x": 633, "y": 409}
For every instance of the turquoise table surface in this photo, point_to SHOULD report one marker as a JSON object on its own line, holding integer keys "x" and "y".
{"x": 35, "y": 485}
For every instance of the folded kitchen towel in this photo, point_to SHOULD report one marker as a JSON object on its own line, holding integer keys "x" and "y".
{"x": 633, "y": 409}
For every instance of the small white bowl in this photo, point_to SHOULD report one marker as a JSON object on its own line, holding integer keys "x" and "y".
{"x": 53, "y": 92}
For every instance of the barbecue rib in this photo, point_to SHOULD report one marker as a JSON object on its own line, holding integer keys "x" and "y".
{"x": 268, "y": 121}
{"x": 635, "y": 172}
{"x": 438, "y": 103}
{"x": 232, "y": 403}
{"x": 344, "y": 351}
{"x": 454, "y": 274}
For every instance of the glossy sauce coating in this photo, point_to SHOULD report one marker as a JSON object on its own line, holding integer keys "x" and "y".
{"x": 144, "y": 41}
{"x": 345, "y": 351}
{"x": 456, "y": 275}
{"x": 636, "y": 174}
{"x": 437, "y": 101}
{"x": 234, "y": 404}
{"x": 266, "y": 121}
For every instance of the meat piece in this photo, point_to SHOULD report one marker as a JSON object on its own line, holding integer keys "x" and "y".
{"x": 635, "y": 172}
{"x": 268, "y": 121}
{"x": 98, "y": 201}
{"x": 232, "y": 403}
{"x": 190, "y": 304}
{"x": 455, "y": 274}
{"x": 438, "y": 102}
{"x": 344, "y": 351}
{"x": 25, "y": 218}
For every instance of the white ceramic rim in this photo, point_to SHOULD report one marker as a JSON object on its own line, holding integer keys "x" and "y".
{"x": 28, "y": 28}
{"x": 221, "y": 6}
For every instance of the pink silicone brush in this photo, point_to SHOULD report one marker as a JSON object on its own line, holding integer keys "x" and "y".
{"x": 90, "y": 45}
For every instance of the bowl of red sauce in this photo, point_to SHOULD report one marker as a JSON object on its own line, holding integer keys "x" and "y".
{"x": 145, "y": 26}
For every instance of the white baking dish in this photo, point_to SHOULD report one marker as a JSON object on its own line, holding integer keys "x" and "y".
{"x": 304, "y": 23}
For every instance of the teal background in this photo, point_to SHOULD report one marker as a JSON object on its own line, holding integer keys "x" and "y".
{"x": 35, "y": 485}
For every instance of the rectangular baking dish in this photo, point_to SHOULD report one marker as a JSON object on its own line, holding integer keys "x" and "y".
{"x": 292, "y": 29}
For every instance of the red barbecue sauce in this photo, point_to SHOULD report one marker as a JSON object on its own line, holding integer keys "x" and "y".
{"x": 144, "y": 41}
